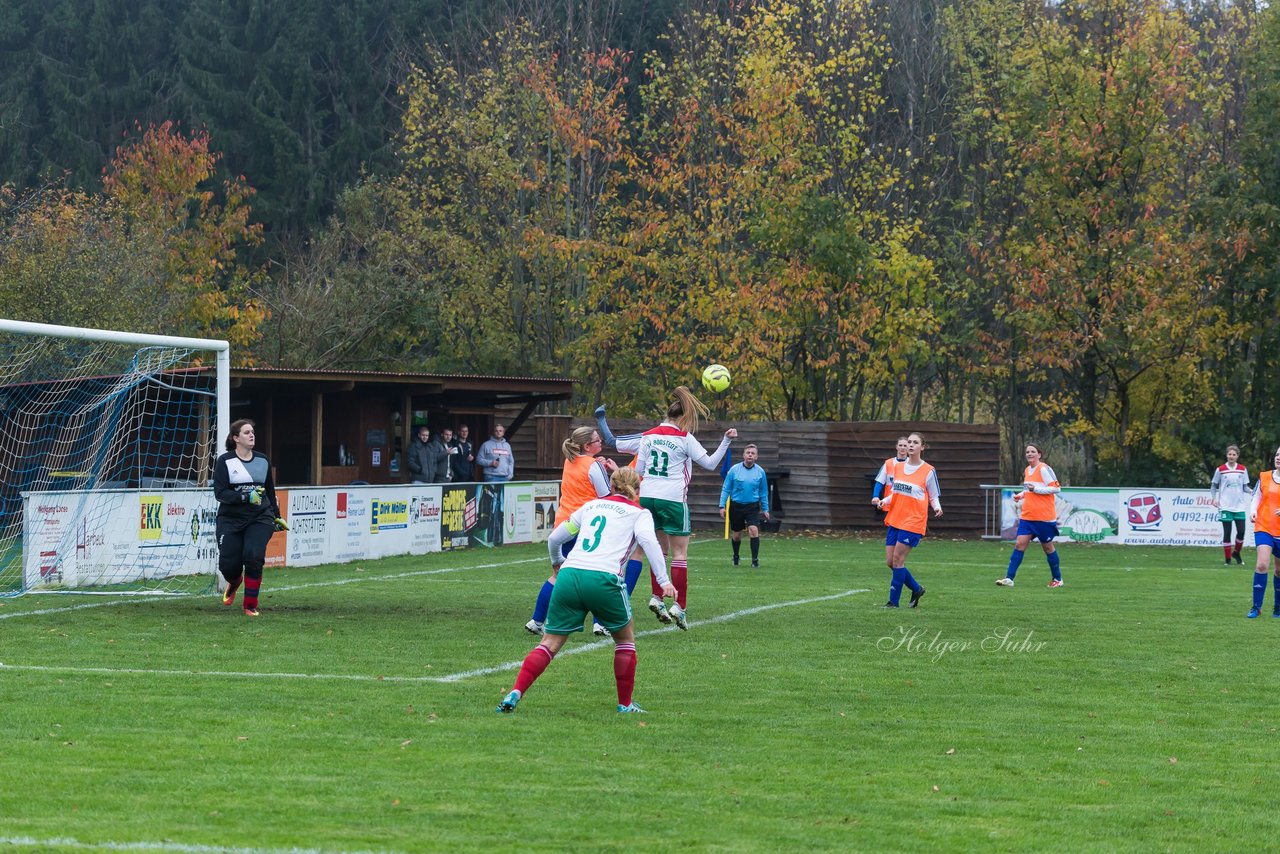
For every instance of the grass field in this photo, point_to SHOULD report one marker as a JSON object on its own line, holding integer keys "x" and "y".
{"x": 1129, "y": 710}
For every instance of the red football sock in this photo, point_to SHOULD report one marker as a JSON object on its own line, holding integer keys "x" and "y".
{"x": 251, "y": 587}
{"x": 624, "y": 671}
{"x": 534, "y": 663}
{"x": 680, "y": 580}
{"x": 1226, "y": 550}
{"x": 1239, "y": 546}
{"x": 653, "y": 581}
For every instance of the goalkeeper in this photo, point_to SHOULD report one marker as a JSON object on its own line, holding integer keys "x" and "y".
{"x": 247, "y": 515}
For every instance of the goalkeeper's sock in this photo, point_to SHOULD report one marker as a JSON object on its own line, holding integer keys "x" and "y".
{"x": 755, "y": 549}
{"x": 229, "y": 595}
{"x": 251, "y": 587}
{"x": 1015, "y": 561}
{"x": 634, "y": 568}
{"x": 1054, "y": 567}
{"x": 680, "y": 581}
{"x": 544, "y": 602}
{"x": 1259, "y": 588}
{"x": 538, "y": 659}
{"x": 624, "y": 671}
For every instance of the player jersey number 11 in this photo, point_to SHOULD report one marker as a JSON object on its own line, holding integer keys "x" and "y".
{"x": 654, "y": 468}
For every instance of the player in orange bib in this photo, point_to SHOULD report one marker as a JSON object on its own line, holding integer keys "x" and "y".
{"x": 1039, "y": 520}
{"x": 1264, "y": 513}
{"x": 913, "y": 491}
{"x": 584, "y": 478}
{"x": 883, "y": 478}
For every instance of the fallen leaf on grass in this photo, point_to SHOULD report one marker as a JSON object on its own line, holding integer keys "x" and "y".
{"x": 404, "y": 744}
{"x": 951, "y": 752}
{"x": 935, "y": 788}
{"x": 1173, "y": 760}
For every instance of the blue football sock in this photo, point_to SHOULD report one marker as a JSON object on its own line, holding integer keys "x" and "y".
{"x": 544, "y": 602}
{"x": 910, "y": 580}
{"x": 1052, "y": 557}
{"x": 634, "y": 568}
{"x": 895, "y": 586}
{"x": 606, "y": 435}
{"x": 1275, "y": 580}
{"x": 1015, "y": 561}
{"x": 1259, "y": 588}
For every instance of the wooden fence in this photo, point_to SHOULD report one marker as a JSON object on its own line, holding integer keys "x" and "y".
{"x": 824, "y": 470}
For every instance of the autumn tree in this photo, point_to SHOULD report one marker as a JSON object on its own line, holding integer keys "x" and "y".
{"x": 1112, "y": 291}
{"x": 156, "y": 251}
{"x": 756, "y": 235}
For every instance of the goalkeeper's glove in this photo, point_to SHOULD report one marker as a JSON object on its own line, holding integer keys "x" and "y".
{"x": 281, "y": 524}
{"x": 255, "y": 496}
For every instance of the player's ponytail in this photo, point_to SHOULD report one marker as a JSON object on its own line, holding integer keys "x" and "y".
{"x": 626, "y": 482}
{"x": 577, "y": 441}
{"x": 685, "y": 410}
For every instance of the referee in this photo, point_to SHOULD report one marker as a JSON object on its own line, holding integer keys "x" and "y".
{"x": 747, "y": 490}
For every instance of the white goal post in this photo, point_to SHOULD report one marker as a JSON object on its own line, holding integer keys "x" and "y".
{"x": 107, "y": 442}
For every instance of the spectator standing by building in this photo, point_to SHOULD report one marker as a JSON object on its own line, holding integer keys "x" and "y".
{"x": 495, "y": 457}
{"x": 446, "y": 436}
{"x": 438, "y": 458}
{"x": 418, "y": 456}
{"x": 464, "y": 461}
{"x": 746, "y": 491}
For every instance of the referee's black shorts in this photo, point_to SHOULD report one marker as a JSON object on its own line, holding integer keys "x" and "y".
{"x": 744, "y": 515}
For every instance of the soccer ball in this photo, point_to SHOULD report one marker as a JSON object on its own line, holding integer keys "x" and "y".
{"x": 716, "y": 378}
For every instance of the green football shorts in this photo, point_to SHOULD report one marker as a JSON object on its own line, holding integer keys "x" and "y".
{"x": 671, "y": 517}
{"x": 582, "y": 591}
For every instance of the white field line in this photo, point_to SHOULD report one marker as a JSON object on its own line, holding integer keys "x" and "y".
{"x": 588, "y": 647}
{"x": 65, "y": 842}
{"x": 333, "y": 583}
{"x": 453, "y": 677}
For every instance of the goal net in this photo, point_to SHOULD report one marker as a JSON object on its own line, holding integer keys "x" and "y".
{"x": 107, "y": 441}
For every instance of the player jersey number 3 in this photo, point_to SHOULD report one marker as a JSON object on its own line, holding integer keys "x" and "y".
{"x": 597, "y": 525}
{"x": 658, "y": 463}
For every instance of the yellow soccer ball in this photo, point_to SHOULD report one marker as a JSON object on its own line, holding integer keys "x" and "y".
{"x": 715, "y": 378}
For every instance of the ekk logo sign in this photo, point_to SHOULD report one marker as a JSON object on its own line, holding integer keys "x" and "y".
{"x": 1144, "y": 511}
{"x": 152, "y": 512}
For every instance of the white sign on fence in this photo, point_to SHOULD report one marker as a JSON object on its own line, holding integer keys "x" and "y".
{"x": 1130, "y": 515}
{"x": 78, "y": 538}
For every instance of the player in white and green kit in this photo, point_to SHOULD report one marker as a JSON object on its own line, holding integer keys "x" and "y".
{"x": 591, "y": 581}
{"x": 665, "y": 456}
{"x": 1229, "y": 491}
